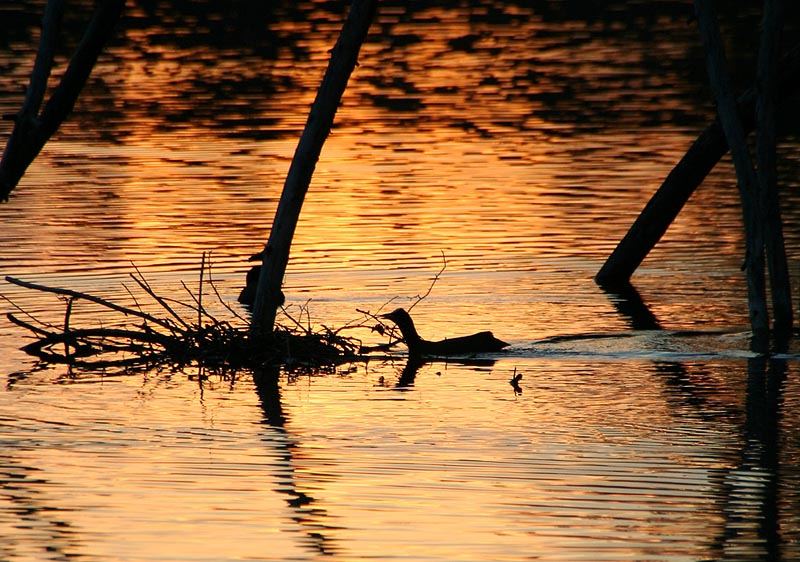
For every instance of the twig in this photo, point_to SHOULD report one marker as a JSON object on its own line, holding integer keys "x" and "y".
{"x": 78, "y": 333}
{"x": 134, "y": 299}
{"x": 307, "y": 310}
{"x": 293, "y": 319}
{"x": 392, "y": 329}
{"x": 142, "y": 282}
{"x": 200, "y": 291}
{"x": 391, "y": 333}
{"x": 66, "y": 326}
{"x": 357, "y": 323}
{"x": 387, "y": 303}
{"x": 192, "y": 307}
{"x": 27, "y": 325}
{"x": 221, "y": 300}
{"x": 371, "y": 315}
{"x": 26, "y": 313}
{"x": 435, "y": 279}
{"x": 48, "y": 339}
{"x": 197, "y": 304}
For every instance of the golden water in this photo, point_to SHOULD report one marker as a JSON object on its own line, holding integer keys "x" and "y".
{"x": 520, "y": 143}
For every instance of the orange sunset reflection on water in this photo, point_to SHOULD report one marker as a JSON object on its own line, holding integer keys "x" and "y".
{"x": 516, "y": 141}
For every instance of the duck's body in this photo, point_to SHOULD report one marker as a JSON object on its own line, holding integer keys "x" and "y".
{"x": 482, "y": 342}
{"x": 248, "y": 294}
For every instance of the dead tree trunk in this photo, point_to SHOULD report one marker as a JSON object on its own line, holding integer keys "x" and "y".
{"x": 682, "y": 181}
{"x": 320, "y": 119}
{"x": 766, "y": 154}
{"x": 746, "y": 179}
{"x": 31, "y": 129}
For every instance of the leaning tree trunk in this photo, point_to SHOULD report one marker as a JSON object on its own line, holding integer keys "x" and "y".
{"x": 31, "y": 129}
{"x": 320, "y": 119}
{"x": 747, "y": 181}
{"x": 766, "y": 155}
{"x": 683, "y": 180}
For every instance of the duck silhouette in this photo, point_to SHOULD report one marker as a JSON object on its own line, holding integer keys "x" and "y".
{"x": 247, "y": 296}
{"x": 481, "y": 342}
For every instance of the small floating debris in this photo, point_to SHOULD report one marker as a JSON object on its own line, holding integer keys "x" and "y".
{"x": 514, "y": 382}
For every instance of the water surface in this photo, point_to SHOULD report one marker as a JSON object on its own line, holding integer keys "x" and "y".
{"x": 518, "y": 141}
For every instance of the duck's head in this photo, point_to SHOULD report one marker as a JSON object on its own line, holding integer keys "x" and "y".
{"x": 397, "y": 316}
{"x": 404, "y": 322}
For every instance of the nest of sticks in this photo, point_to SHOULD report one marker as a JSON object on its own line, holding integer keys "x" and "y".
{"x": 187, "y": 333}
{"x": 134, "y": 339}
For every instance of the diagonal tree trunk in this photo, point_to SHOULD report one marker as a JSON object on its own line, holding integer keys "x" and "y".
{"x": 31, "y": 129}
{"x": 320, "y": 119}
{"x": 683, "y": 180}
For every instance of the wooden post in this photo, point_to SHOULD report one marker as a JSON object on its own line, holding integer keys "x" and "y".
{"x": 681, "y": 183}
{"x": 746, "y": 178}
{"x": 32, "y": 131}
{"x": 320, "y": 119}
{"x": 766, "y": 83}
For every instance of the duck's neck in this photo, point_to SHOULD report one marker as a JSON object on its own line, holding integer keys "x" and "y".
{"x": 409, "y": 332}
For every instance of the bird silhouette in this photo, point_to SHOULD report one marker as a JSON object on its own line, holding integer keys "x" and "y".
{"x": 481, "y": 342}
{"x": 248, "y": 294}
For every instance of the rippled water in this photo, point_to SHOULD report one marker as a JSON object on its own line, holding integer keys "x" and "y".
{"x": 518, "y": 140}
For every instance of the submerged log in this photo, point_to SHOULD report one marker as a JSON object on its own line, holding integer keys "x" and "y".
{"x": 320, "y": 119}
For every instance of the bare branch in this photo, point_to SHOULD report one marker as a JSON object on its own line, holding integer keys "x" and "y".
{"x": 97, "y": 300}
{"x": 142, "y": 282}
{"x": 435, "y": 279}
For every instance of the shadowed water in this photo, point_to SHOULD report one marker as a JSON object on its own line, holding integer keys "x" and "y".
{"x": 518, "y": 139}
